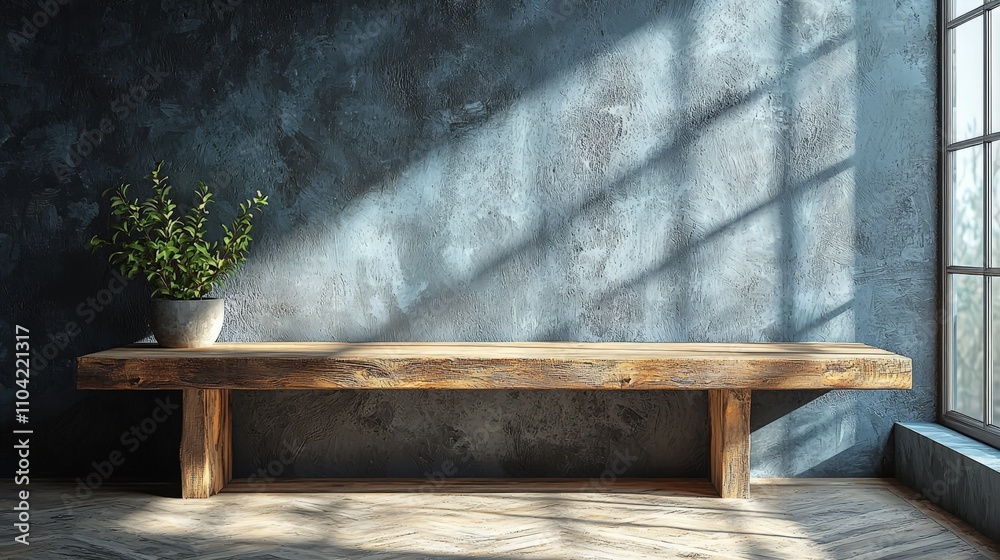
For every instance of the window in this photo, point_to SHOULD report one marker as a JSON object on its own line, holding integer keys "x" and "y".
{"x": 970, "y": 175}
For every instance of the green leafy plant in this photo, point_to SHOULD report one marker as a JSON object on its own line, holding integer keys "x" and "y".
{"x": 170, "y": 250}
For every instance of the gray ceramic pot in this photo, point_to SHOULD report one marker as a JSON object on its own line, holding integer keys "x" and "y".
{"x": 186, "y": 323}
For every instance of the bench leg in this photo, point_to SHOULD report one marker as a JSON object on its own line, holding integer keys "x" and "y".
{"x": 206, "y": 442}
{"x": 729, "y": 421}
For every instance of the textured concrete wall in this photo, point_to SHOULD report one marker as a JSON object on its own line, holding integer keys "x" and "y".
{"x": 951, "y": 470}
{"x": 581, "y": 170}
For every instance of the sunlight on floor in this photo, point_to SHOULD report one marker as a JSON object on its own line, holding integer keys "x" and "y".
{"x": 866, "y": 518}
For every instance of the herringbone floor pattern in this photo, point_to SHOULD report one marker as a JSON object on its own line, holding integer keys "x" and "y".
{"x": 861, "y": 520}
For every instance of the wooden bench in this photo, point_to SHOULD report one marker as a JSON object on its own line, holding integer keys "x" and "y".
{"x": 729, "y": 372}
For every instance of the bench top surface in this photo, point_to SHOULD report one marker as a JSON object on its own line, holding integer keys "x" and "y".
{"x": 503, "y": 350}
{"x": 497, "y": 365}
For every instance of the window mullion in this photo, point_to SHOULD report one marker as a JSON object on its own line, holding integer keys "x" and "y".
{"x": 987, "y": 347}
{"x": 959, "y": 19}
{"x": 987, "y": 233}
{"x": 946, "y": 101}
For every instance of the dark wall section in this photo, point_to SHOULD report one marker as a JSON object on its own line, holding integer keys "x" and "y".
{"x": 462, "y": 170}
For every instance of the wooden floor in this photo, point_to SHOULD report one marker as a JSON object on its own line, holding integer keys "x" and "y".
{"x": 852, "y": 519}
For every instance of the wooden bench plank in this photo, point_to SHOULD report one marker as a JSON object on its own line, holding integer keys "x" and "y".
{"x": 539, "y": 365}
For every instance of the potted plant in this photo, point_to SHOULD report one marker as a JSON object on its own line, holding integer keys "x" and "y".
{"x": 171, "y": 252}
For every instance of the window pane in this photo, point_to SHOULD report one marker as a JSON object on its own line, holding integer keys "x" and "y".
{"x": 995, "y": 326}
{"x": 967, "y": 87}
{"x": 995, "y": 225}
{"x": 959, "y": 7}
{"x": 968, "y": 342}
{"x": 995, "y": 63}
{"x": 967, "y": 207}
